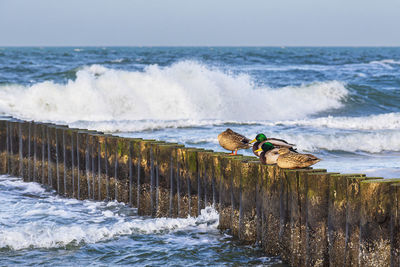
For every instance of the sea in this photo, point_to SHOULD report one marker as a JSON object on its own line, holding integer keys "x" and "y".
{"x": 341, "y": 104}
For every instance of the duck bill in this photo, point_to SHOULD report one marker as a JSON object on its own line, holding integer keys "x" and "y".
{"x": 258, "y": 150}
{"x": 254, "y": 140}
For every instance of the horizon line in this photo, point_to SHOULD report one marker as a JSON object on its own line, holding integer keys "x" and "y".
{"x": 188, "y": 46}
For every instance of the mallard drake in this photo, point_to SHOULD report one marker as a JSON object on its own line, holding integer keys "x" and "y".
{"x": 291, "y": 160}
{"x": 277, "y": 143}
{"x": 233, "y": 141}
{"x": 268, "y": 153}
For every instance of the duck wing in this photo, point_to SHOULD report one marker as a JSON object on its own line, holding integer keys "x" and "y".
{"x": 231, "y": 140}
{"x": 242, "y": 139}
{"x": 280, "y": 142}
{"x": 297, "y": 157}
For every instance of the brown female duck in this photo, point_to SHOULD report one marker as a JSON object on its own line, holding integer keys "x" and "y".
{"x": 291, "y": 160}
{"x": 233, "y": 141}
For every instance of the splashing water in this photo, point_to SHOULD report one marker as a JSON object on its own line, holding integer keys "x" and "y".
{"x": 38, "y": 227}
{"x": 185, "y": 90}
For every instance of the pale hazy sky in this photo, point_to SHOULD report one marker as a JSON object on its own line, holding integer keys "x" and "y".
{"x": 198, "y": 23}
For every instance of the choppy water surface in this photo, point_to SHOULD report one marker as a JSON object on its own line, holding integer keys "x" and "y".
{"x": 39, "y": 228}
{"x": 342, "y": 104}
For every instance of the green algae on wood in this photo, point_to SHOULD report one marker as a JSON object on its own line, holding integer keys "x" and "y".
{"x": 206, "y": 181}
{"x": 317, "y": 219}
{"x": 165, "y": 158}
{"x": 354, "y": 204}
{"x": 287, "y": 182}
{"x": 337, "y": 219}
{"x": 225, "y": 191}
{"x": 271, "y": 209}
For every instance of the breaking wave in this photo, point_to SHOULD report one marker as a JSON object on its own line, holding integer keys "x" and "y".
{"x": 184, "y": 90}
{"x": 52, "y": 222}
{"x": 388, "y": 121}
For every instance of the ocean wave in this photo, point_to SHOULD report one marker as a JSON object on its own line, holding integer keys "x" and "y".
{"x": 52, "y": 221}
{"x": 146, "y": 125}
{"x": 309, "y": 141}
{"x": 387, "y": 121}
{"x": 385, "y": 62}
{"x": 184, "y": 90}
{"x": 371, "y": 142}
{"x": 28, "y": 188}
{"x": 51, "y": 234}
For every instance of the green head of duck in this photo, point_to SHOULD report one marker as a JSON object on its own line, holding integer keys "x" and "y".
{"x": 259, "y": 138}
{"x": 267, "y": 146}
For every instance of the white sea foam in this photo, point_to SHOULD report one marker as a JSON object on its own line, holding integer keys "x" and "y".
{"x": 48, "y": 211}
{"x": 372, "y": 142}
{"x": 374, "y": 133}
{"x": 51, "y": 221}
{"x": 309, "y": 141}
{"x": 387, "y": 121}
{"x": 386, "y": 62}
{"x": 33, "y": 188}
{"x": 119, "y": 60}
{"x": 143, "y": 125}
{"x": 184, "y": 90}
{"x": 52, "y": 235}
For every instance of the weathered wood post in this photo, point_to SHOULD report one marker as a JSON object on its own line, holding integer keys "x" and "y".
{"x": 236, "y": 194}
{"x": 248, "y": 199}
{"x": 146, "y": 174}
{"x": 3, "y": 145}
{"x": 395, "y": 226}
{"x": 217, "y": 172}
{"x": 164, "y": 155}
{"x": 226, "y": 205}
{"x": 352, "y": 242}
{"x": 123, "y": 165}
{"x": 96, "y": 161}
{"x": 271, "y": 209}
{"x": 377, "y": 201}
{"x": 69, "y": 168}
{"x": 103, "y": 166}
{"x": 188, "y": 173}
{"x": 25, "y": 155}
{"x": 13, "y": 144}
{"x": 337, "y": 218}
{"x": 288, "y": 182}
{"x": 191, "y": 184}
{"x": 297, "y": 199}
{"x": 206, "y": 183}
{"x": 317, "y": 219}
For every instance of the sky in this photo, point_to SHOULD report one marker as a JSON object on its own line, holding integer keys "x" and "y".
{"x": 199, "y": 23}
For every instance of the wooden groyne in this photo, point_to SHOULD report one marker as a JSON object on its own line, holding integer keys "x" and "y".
{"x": 309, "y": 217}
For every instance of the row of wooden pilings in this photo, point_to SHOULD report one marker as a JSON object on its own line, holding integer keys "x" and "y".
{"x": 309, "y": 217}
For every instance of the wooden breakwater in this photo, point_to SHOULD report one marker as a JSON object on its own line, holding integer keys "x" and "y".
{"x": 310, "y": 217}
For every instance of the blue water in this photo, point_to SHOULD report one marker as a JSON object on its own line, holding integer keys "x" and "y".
{"x": 341, "y": 104}
{"x": 39, "y": 228}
